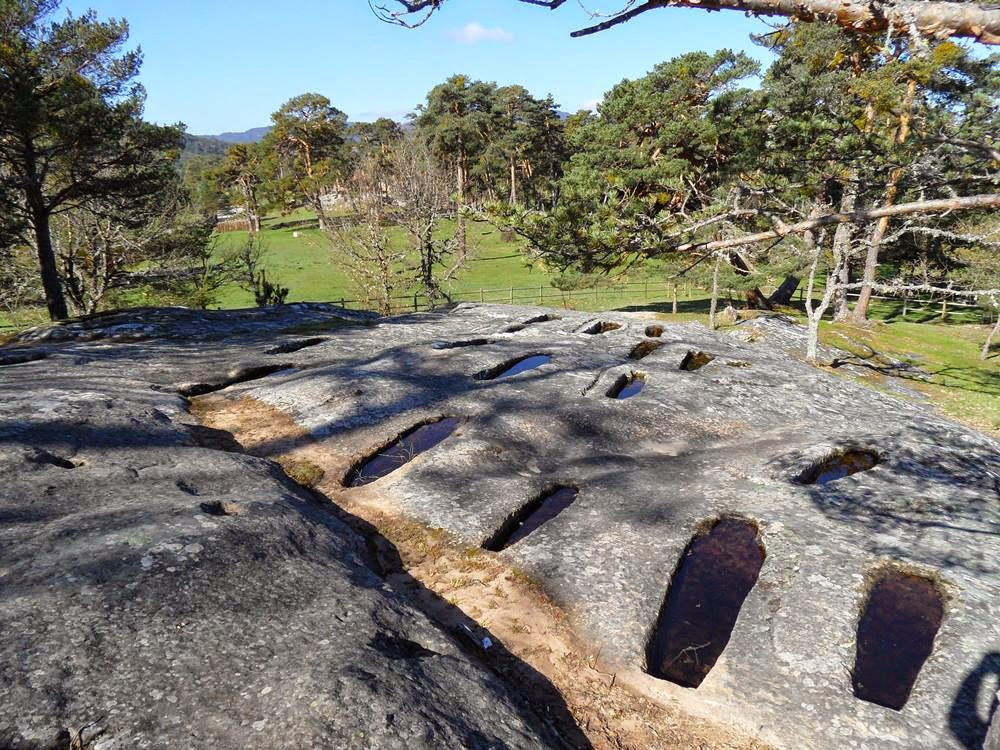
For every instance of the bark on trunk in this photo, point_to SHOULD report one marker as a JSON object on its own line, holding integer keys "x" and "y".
{"x": 841, "y": 309}
{"x": 253, "y": 209}
{"x": 55, "y": 300}
{"x": 783, "y": 294}
{"x": 317, "y": 201}
{"x": 860, "y": 313}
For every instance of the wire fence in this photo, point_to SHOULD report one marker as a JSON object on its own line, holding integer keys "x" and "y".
{"x": 543, "y": 295}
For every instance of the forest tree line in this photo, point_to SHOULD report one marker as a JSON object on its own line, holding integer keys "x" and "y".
{"x": 854, "y": 162}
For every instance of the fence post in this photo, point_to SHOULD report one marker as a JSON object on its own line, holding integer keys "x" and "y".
{"x": 906, "y": 303}
{"x": 415, "y": 308}
{"x": 482, "y": 294}
{"x": 645, "y": 290}
{"x": 944, "y": 309}
{"x": 539, "y": 294}
{"x": 512, "y": 295}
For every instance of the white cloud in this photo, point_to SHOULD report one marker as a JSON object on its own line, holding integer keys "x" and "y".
{"x": 474, "y": 32}
{"x": 592, "y": 104}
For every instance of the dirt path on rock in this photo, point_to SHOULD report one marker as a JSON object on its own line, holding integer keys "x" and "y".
{"x": 476, "y": 594}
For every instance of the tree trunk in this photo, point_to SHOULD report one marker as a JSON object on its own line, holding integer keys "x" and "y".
{"x": 55, "y": 300}
{"x": 989, "y": 339}
{"x": 755, "y": 297}
{"x": 715, "y": 294}
{"x": 674, "y": 295}
{"x": 513, "y": 182}
{"x": 253, "y": 209}
{"x": 816, "y": 314}
{"x": 756, "y": 300}
{"x": 875, "y": 243}
{"x": 841, "y": 308}
{"x": 461, "y": 233}
{"x": 860, "y": 313}
{"x": 783, "y": 294}
{"x": 317, "y": 201}
{"x": 841, "y": 252}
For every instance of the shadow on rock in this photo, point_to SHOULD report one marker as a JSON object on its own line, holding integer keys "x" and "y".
{"x": 965, "y": 720}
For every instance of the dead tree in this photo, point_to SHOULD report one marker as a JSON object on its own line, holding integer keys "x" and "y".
{"x": 422, "y": 199}
{"x": 363, "y": 247}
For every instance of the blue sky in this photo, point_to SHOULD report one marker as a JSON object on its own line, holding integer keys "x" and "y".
{"x": 220, "y": 65}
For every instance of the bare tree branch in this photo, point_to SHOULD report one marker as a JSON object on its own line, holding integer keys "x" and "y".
{"x": 979, "y": 147}
{"x": 853, "y": 217}
{"x": 936, "y": 19}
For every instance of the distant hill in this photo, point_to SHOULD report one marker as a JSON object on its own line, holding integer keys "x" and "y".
{"x": 218, "y": 145}
{"x": 253, "y": 135}
{"x": 201, "y": 146}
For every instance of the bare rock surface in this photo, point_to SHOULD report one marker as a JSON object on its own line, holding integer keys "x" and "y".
{"x": 737, "y": 436}
{"x": 159, "y": 591}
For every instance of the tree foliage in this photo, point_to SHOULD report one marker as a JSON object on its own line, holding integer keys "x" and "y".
{"x": 71, "y": 128}
{"x": 307, "y": 151}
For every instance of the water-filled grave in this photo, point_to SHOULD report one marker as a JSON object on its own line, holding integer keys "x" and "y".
{"x": 715, "y": 574}
{"x": 514, "y": 367}
{"x": 627, "y": 386}
{"x": 895, "y": 636}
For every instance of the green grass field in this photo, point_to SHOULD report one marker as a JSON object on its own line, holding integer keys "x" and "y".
{"x": 300, "y": 256}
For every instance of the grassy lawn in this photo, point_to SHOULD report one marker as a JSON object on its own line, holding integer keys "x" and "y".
{"x": 960, "y": 383}
{"x": 298, "y": 255}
